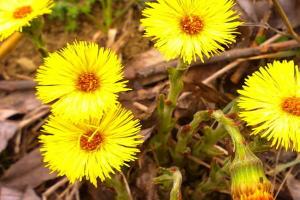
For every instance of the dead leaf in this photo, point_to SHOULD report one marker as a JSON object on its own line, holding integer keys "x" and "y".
{"x": 249, "y": 8}
{"x": 144, "y": 181}
{"x": 22, "y": 102}
{"x": 143, "y": 61}
{"x": 146, "y": 133}
{"x": 293, "y": 186}
{"x": 291, "y": 8}
{"x": 10, "y": 194}
{"x": 7, "y": 193}
{"x": 28, "y": 171}
{"x": 26, "y": 64}
{"x": 30, "y": 194}
{"x": 7, "y": 131}
{"x": 6, "y": 113}
{"x": 10, "y": 86}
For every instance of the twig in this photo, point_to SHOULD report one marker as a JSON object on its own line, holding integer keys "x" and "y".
{"x": 283, "y": 182}
{"x": 275, "y": 173}
{"x": 225, "y": 56}
{"x": 263, "y": 48}
{"x": 54, "y": 188}
{"x": 127, "y": 186}
{"x": 286, "y": 20}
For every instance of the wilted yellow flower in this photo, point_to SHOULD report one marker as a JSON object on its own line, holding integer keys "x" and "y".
{"x": 18, "y": 13}
{"x": 270, "y": 101}
{"x": 81, "y": 81}
{"x": 91, "y": 149}
{"x": 190, "y": 28}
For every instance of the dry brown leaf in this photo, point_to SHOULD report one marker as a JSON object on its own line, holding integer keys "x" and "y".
{"x": 10, "y": 194}
{"x": 7, "y": 193}
{"x": 22, "y": 101}
{"x": 141, "y": 62}
{"x": 144, "y": 181}
{"x": 26, "y": 64}
{"x": 28, "y": 171}
{"x": 6, "y": 113}
{"x": 293, "y": 186}
{"x": 7, "y": 131}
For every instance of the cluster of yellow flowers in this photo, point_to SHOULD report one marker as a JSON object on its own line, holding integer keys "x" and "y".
{"x": 90, "y": 135}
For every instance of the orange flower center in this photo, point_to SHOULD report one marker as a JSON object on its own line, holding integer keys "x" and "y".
{"x": 191, "y": 25}
{"x": 90, "y": 141}
{"x": 291, "y": 105}
{"x": 22, "y": 12}
{"x": 88, "y": 82}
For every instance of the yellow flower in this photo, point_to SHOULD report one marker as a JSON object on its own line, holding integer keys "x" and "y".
{"x": 190, "y": 28}
{"x": 81, "y": 80}
{"x": 18, "y": 13}
{"x": 270, "y": 101}
{"x": 91, "y": 149}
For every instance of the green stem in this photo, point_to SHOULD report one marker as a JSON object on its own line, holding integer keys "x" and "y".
{"x": 231, "y": 128}
{"x": 185, "y": 134}
{"x": 166, "y": 107}
{"x": 171, "y": 175}
{"x": 119, "y": 186}
{"x": 205, "y": 146}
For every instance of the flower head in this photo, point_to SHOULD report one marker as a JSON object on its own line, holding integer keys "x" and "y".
{"x": 81, "y": 80}
{"x": 270, "y": 101}
{"x": 91, "y": 149}
{"x": 16, "y": 14}
{"x": 190, "y": 28}
{"x": 248, "y": 181}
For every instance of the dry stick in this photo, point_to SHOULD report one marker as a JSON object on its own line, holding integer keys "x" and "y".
{"x": 284, "y": 180}
{"x": 54, "y": 188}
{"x": 275, "y": 172}
{"x": 225, "y": 56}
{"x": 286, "y": 20}
{"x": 127, "y": 186}
{"x": 261, "y": 49}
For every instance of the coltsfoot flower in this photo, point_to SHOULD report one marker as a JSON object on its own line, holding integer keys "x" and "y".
{"x": 270, "y": 101}
{"x": 91, "y": 149}
{"x": 14, "y": 15}
{"x": 81, "y": 81}
{"x": 190, "y": 28}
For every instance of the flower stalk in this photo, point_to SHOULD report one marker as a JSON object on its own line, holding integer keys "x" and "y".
{"x": 248, "y": 180}
{"x": 166, "y": 107}
{"x": 172, "y": 176}
{"x": 185, "y": 134}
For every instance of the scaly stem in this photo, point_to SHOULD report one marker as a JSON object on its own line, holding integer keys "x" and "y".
{"x": 231, "y": 128}
{"x": 171, "y": 175}
{"x": 166, "y": 107}
{"x": 9, "y": 44}
{"x": 119, "y": 186}
{"x": 185, "y": 134}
